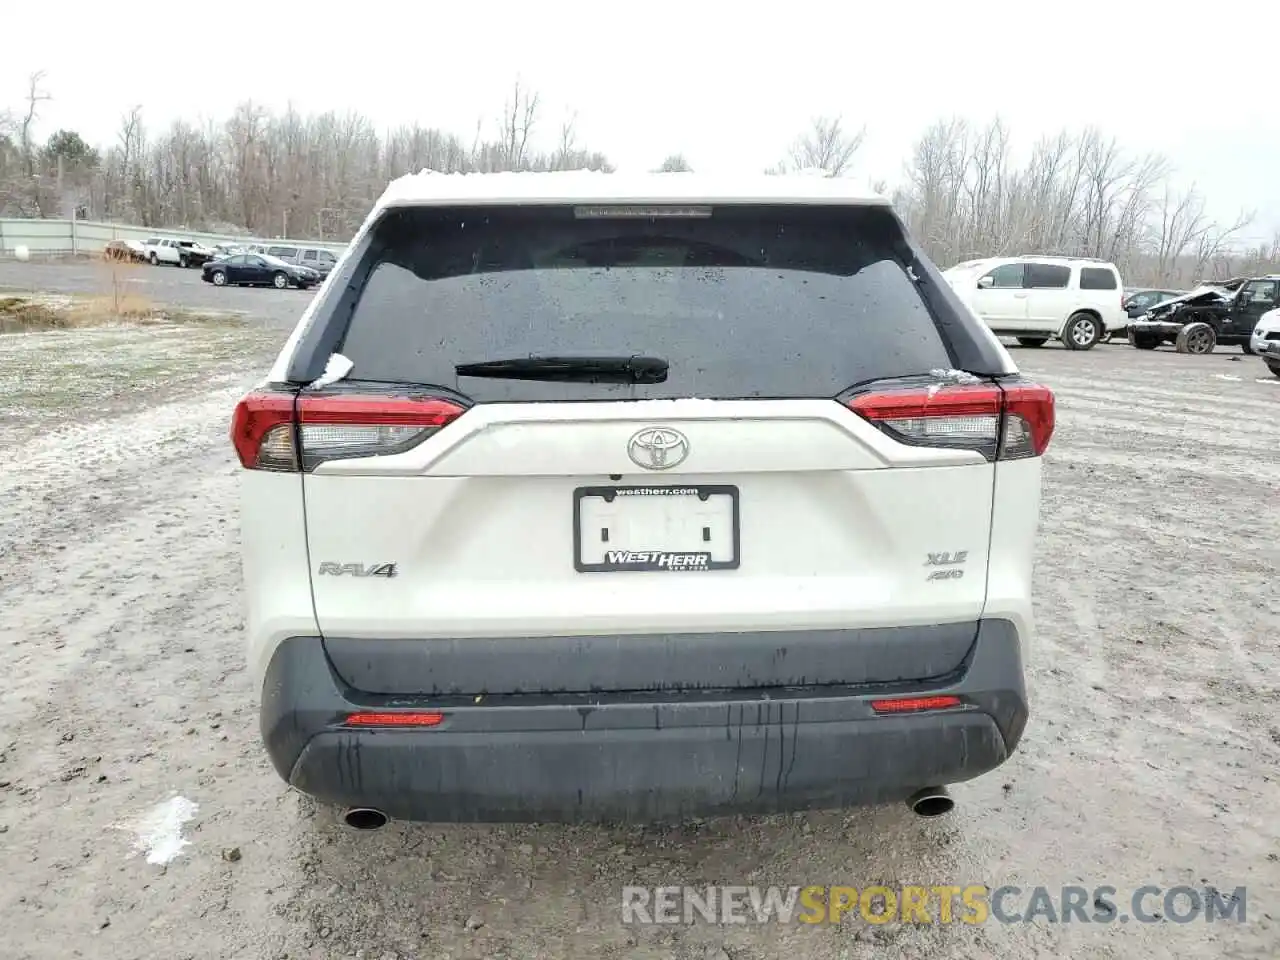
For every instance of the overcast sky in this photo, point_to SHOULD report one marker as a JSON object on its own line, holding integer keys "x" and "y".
{"x": 727, "y": 84}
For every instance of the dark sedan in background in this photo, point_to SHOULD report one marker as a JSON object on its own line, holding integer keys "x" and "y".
{"x": 258, "y": 270}
{"x": 1140, "y": 301}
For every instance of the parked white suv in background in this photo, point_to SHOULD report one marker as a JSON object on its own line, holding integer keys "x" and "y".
{"x": 1076, "y": 300}
{"x": 178, "y": 253}
{"x": 163, "y": 250}
{"x": 586, "y": 496}
{"x": 1265, "y": 340}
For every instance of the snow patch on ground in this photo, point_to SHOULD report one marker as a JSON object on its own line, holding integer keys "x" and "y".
{"x": 159, "y": 831}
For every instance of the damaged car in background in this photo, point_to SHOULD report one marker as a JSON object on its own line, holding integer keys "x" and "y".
{"x": 1217, "y": 313}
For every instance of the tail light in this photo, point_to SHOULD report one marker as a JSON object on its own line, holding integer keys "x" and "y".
{"x": 394, "y": 719}
{"x": 288, "y": 433}
{"x": 915, "y": 704}
{"x": 1003, "y": 422}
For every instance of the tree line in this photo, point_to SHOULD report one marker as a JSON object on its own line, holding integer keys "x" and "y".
{"x": 282, "y": 173}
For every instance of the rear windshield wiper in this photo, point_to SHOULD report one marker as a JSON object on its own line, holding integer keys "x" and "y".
{"x": 577, "y": 369}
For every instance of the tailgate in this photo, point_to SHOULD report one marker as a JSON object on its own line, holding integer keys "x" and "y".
{"x": 767, "y": 556}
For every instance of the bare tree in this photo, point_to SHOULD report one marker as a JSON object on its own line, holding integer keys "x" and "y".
{"x": 518, "y": 119}
{"x": 20, "y": 188}
{"x": 1180, "y": 225}
{"x": 10, "y": 164}
{"x": 1076, "y": 194}
{"x": 35, "y": 97}
{"x": 825, "y": 146}
{"x": 286, "y": 173}
{"x": 568, "y": 146}
{"x": 1134, "y": 207}
{"x": 1212, "y": 248}
{"x": 984, "y": 184}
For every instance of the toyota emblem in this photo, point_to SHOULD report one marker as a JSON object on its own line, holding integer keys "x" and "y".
{"x": 658, "y": 448}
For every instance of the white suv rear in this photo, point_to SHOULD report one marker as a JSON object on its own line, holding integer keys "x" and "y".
{"x": 1265, "y": 340}
{"x": 581, "y": 496}
{"x": 1078, "y": 301}
{"x": 164, "y": 250}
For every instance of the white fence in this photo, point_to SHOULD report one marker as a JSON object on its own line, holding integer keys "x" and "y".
{"x": 46, "y": 238}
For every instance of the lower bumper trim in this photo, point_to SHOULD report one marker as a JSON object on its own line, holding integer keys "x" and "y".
{"x": 775, "y": 764}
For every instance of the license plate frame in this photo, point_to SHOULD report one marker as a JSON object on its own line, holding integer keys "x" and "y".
{"x": 702, "y": 491}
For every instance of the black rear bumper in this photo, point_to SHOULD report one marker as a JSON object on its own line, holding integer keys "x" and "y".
{"x": 644, "y": 755}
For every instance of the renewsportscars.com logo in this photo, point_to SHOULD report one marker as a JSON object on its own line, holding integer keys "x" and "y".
{"x": 970, "y": 904}
{"x": 658, "y": 560}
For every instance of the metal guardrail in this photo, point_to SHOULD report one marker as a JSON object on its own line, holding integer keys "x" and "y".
{"x": 45, "y": 238}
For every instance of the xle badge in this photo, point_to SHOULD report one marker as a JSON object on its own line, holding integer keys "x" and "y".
{"x": 950, "y": 558}
{"x": 357, "y": 570}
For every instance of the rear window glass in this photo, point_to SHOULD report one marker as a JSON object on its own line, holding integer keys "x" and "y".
{"x": 1098, "y": 278}
{"x": 748, "y": 302}
{"x": 1047, "y": 276}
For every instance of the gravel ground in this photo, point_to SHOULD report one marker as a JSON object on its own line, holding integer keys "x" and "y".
{"x": 1152, "y": 756}
{"x": 59, "y": 377}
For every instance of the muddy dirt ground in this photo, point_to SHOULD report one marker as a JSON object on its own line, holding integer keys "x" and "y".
{"x": 1152, "y": 756}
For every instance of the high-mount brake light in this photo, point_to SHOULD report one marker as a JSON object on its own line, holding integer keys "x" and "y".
{"x": 643, "y": 212}
{"x": 1004, "y": 422}
{"x": 270, "y": 430}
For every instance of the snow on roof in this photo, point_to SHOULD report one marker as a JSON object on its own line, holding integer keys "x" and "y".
{"x": 585, "y": 186}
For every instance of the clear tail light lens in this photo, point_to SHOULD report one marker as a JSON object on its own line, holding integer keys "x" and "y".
{"x": 1001, "y": 421}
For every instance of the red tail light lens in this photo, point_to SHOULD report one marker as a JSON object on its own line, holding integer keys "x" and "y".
{"x": 284, "y": 432}
{"x": 914, "y": 704}
{"x": 256, "y": 417}
{"x": 394, "y": 719}
{"x": 1029, "y": 419}
{"x": 1005, "y": 422}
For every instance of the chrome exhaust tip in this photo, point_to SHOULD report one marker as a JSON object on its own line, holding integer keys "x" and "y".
{"x": 364, "y": 818}
{"x": 930, "y": 802}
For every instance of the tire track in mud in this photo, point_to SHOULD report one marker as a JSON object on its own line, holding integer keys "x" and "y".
{"x": 97, "y": 471}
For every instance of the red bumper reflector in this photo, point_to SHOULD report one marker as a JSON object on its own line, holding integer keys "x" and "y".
{"x": 914, "y": 704}
{"x": 394, "y": 720}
